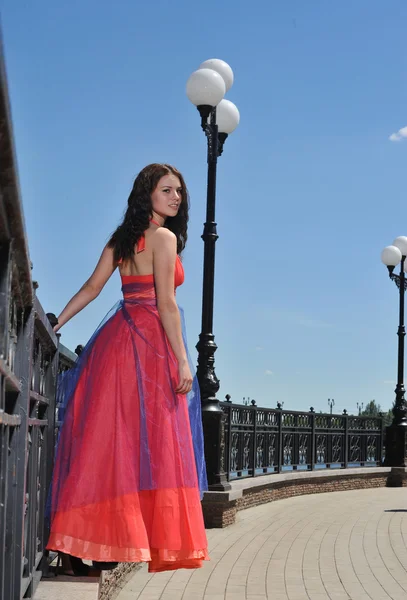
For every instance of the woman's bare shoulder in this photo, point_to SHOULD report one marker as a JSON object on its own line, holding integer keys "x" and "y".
{"x": 163, "y": 238}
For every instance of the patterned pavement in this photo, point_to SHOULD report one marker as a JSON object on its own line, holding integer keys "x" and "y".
{"x": 335, "y": 546}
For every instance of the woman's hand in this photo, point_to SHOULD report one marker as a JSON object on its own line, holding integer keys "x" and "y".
{"x": 185, "y": 378}
{"x": 54, "y": 322}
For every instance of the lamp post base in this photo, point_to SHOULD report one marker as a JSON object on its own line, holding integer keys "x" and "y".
{"x": 396, "y": 446}
{"x": 397, "y": 477}
{"x": 215, "y": 450}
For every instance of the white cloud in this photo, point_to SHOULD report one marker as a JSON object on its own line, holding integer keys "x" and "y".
{"x": 268, "y": 372}
{"x": 400, "y": 135}
{"x": 259, "y": 348}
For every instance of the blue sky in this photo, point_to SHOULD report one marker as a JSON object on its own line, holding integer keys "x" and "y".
{"x": 310, "y": 188}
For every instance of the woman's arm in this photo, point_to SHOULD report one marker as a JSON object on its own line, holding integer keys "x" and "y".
{"x": 90, "y": 289}
{"x": 164, "y": 257}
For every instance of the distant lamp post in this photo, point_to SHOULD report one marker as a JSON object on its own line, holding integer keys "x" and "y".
{"x": 331, "y": 404}
{"x": 396, "y": 433}
{"x": 359, "y": 406}
{"x": 206, "y": 88}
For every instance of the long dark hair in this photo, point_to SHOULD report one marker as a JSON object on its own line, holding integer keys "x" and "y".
{"x": 139, "y": 212}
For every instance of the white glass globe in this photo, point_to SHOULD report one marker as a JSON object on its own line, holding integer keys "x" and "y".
{"x": 227, "y": 116}
{"x": 221, "y": 67}
{"x": 401, "y": 244}
{"x": 391, "y": 256}
{"x": 205, "y": 86}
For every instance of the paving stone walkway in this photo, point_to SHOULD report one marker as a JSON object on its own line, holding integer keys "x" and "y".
{"x": 334, "y": 546}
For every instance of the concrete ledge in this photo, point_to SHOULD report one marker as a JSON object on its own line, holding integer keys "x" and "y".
{"x": 220, "y": 508}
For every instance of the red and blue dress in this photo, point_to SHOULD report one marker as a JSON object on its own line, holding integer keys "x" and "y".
{"x": 130, "y": 471}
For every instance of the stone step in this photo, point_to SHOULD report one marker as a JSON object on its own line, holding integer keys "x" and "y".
{"x": 68, "y": 588}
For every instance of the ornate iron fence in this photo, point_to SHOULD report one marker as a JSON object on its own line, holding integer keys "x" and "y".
{"x": 260, "y": 441}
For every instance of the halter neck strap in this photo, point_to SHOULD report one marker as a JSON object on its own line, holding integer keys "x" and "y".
{"x": 141, "y": 244}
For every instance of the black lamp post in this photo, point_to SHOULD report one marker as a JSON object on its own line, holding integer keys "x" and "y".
{"x": 205, "y": 89}
{"x": 396, "y": 433}
{"x": 331, "y": 403}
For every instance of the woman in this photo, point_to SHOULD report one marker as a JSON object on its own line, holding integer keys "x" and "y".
{"x": 129, "y": 470}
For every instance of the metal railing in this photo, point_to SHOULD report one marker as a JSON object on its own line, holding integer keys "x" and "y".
{"x": 29, "y": 364}
{"x": 261, "y": 441}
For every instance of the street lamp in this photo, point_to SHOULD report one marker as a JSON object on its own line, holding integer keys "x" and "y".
{"x": 206, "y": 88}
{"x": 331, "y": 404}
{"x": 396, "y": 432}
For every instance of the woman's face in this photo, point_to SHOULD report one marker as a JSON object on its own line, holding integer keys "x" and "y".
{"x": 167, "y": 196}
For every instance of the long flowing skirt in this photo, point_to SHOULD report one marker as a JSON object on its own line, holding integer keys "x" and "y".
{"x": 129, "y": 471}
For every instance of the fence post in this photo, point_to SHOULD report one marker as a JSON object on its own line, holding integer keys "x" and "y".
{"x": 313, "y": 437}
{"x": 229, "y": 442}
{"x": 280, "y": 438}
{"x": 24, "y": 364}
{"x": 49, "y": 442}
{"x": 254, "y": 452}
{"x": 381, "y": 439}
{"x": 346, "y": 442}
